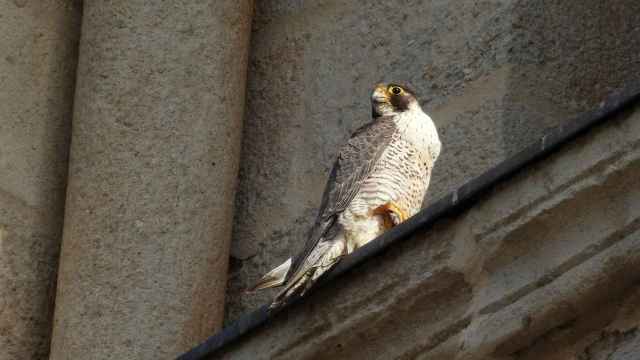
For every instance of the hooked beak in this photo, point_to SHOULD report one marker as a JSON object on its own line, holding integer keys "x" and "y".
{"x": 380, "y": 94}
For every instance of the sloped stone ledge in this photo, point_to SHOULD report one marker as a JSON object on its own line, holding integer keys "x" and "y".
{"x": 536, "y": 255}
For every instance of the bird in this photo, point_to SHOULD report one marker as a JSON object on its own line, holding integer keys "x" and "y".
{"x": 379, "y": 179}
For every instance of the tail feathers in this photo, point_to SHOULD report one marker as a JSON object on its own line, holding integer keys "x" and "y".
{"x": 273, "y": 278}
{"x": 322, "y": 258}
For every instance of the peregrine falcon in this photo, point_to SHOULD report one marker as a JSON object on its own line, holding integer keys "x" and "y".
{"x": 379, "y": 180}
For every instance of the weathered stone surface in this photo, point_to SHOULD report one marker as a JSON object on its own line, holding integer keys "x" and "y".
{"x": 494, "y": 74}
{"x": 38, "y": 51}
{"x": 153, "y": 166}
{"x": 610, "y": 333}
{"x": 544, "y": 264}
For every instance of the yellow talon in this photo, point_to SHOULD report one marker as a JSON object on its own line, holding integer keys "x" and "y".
{"x": 391, "y": 213}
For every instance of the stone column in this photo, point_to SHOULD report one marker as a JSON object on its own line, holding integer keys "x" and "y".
{"x": 152, "y": 175}
{"x": 38, "y": 52}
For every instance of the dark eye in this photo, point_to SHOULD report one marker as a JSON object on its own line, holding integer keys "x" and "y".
{"x": 395, "y": 90}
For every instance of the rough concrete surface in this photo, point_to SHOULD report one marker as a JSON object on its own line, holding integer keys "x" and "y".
{"x": 542, "y": 267}
{"x": 494, "y": 74}
{"x": 152, "y": 172}
{"x": 38, "y": 51}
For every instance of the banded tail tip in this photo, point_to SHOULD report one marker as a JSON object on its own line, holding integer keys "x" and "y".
{"x": 273, "y": 278}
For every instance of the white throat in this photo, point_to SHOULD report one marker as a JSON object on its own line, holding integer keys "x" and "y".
{"x": 418, "y": 128}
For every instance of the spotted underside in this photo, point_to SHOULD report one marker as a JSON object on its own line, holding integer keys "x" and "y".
{"x": 400, "y": 177}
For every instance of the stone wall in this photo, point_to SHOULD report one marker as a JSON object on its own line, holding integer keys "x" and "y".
{"x": 494, "y": 75}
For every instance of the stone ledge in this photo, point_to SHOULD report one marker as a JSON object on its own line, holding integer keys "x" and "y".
{"x": 534, "y": 253}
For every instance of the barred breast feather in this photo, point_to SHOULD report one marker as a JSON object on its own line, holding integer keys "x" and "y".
{"x": 401, "y": 175}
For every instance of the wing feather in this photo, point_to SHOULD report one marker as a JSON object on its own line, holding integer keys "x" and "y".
{"x": 354, "y": 164}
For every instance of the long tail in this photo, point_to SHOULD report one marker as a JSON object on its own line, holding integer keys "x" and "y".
{"x": 324, "y": 257}
{"x": 273, "y": 278}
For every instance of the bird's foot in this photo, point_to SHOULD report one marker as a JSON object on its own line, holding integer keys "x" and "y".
{"x": 391, "y": 213}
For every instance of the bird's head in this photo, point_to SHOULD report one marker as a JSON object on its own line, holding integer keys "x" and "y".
{"x": 392, "y": 99}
